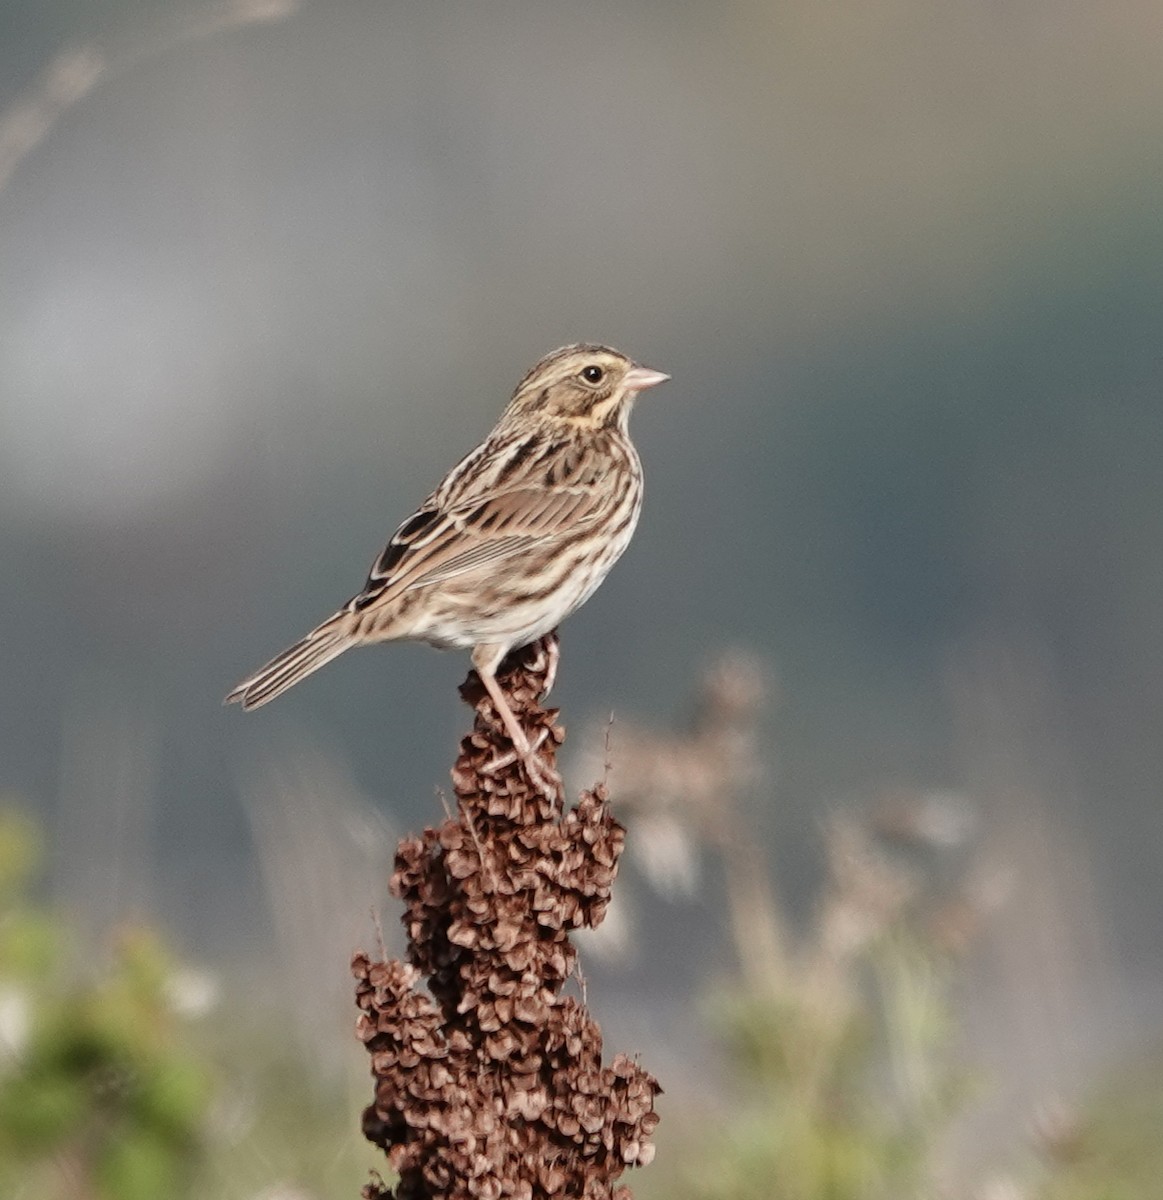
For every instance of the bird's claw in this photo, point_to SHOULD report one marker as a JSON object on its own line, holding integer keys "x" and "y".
{"x": 547, "y": 781}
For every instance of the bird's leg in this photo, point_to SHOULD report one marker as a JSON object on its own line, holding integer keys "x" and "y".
{"x": 486, "y": 659}
{"x": 508, "y": 718}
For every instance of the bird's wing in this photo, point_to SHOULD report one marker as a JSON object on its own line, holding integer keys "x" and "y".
{"x": 439, "y": 543}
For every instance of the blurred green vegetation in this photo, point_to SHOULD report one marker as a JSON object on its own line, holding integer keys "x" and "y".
{"x": 832, "y": 1094}
{"x": 818, "y": 1104}
{"x": 99, "y": 1095}
{"x": 816, "y": 1121}
{"x": 116, "y": 1082}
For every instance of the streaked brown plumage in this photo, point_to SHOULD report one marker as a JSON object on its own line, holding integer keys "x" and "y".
{"x": 519, "y": 534}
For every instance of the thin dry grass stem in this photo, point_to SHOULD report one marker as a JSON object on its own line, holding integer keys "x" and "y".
{"x": 75, "y": 71}
{"x": 319, "y": 865}
{"x": 607, "y": 760}
{"x": 491, "y": 1083}
{"x": 107, "y": 815}
{"x": 1043, "y": 980}
{"x": 378, "y": 926}
{"x": 582, "y": 987}
{"x": 756, "y": 921}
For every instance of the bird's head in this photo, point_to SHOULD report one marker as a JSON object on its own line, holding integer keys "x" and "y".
{"x": 585, "y": 386}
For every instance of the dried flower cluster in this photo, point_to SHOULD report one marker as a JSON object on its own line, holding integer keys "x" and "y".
{"x": 695, "y": 786}
{"x": 493, "y": 1085}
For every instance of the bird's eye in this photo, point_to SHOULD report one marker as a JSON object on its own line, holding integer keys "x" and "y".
{"x": 593, "y": 374}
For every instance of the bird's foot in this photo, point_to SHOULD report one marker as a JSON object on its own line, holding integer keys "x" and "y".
{"x": 540, "y": 773}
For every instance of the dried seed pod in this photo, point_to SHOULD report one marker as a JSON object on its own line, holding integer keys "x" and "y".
{"x": 492, "y": 1085}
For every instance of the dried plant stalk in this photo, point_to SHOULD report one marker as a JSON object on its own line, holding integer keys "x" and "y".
{"x": 491, "y": 1083}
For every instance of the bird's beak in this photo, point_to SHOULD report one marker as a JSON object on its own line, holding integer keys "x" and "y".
{"x": 638, "y": 379}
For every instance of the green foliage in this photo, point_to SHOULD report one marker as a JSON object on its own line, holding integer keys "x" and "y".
{"x": 30, "y": 941}
{"x": 108, "y": 1091}
{"x": 98, "y": 1096}
{"x": 839, "y": 1096}
{"x": 275, "y": 1125}
{"x": 840, "y": 1081}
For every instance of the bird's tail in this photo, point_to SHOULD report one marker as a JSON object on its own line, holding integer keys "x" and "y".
{"x": 320, "y": 646}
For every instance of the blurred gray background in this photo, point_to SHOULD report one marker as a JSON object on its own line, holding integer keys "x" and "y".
{"x": 267, "y": 270}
